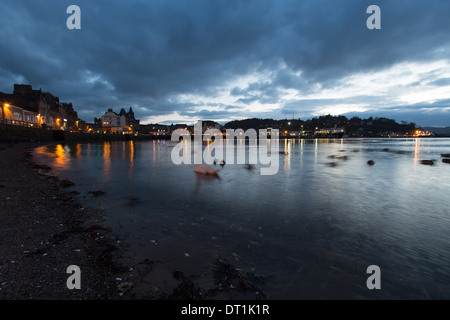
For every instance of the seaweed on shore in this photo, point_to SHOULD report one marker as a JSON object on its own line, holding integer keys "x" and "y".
{"x": 97, "y": 193}
{"x": 65, "y": 183}
{"x": 227, "y": 282}
{"x": 187, "y": 289}
{"x": 229, "y": 278}
{"x": 40, "y": 167}
{"x": 104, "y": 253}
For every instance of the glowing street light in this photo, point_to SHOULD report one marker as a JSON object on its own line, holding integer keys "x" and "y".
{"x": 3, "y": 110}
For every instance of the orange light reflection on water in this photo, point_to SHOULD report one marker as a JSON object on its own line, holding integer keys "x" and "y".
{"x": 61, "y": 158}
{"x": 130, "y": 172}
{"x": 106, "y": 158}
{"x": 186, "y": 154}
{"x": 59, "y": 155}
{"x": 78, "y": 150}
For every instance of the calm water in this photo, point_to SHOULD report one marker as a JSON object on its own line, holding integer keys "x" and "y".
{"x": 314, "y": 228}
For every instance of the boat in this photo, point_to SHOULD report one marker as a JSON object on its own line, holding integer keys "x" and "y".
{"x": 205, "y": 169}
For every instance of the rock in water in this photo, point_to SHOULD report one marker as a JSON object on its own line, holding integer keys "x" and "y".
{"x": 331, "y": 164}
{"x": 427, "y": 162}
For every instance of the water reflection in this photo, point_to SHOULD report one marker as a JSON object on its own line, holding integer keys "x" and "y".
{"x": 288, "y": 153}
{"x": 58, "y": 153}
{"x": 106, "y": 159}
{"x": 316, "y": 150}
{"x": 131, "y": 154}
{"x": 154, "y": 151}
{"x": 203, "y": 181}
{"x": 416, "y": 151}
{"x": 301, "y": 148}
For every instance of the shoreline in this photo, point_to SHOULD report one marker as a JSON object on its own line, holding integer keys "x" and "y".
{"x": 44, "y": 229}
{"x": 12, "y": 134}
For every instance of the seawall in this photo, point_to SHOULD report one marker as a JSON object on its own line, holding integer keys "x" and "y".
{"x": 11, "y": 133}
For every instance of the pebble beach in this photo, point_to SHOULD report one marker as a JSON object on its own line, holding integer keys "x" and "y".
{"x": 44, "y": 229}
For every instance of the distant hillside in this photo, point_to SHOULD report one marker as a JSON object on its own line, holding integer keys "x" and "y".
{"x": 354, "y": 127}
{"x": 438, "y": 130}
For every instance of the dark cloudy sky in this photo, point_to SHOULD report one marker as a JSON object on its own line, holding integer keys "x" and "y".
{"x": 185, "y": 60}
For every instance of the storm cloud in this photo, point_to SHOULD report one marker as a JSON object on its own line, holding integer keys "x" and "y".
{"x": 184, "y": 60}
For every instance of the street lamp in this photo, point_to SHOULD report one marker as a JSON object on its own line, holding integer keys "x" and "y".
{"x": 3, "y": 110}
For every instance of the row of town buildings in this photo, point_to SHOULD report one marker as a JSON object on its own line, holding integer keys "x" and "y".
{"x": 35, "y": 108}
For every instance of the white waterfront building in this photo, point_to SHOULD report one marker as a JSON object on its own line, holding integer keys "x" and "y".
{"x": 113, "y": 122}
